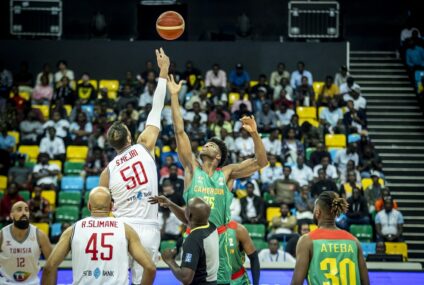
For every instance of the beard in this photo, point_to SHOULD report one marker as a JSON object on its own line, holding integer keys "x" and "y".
{"x": 21, "y": 224}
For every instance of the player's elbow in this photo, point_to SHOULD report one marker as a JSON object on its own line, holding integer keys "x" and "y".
{"x": 262, "y": 162}
{"x": 186, "y": 280}
{"x": 150, "y": 269}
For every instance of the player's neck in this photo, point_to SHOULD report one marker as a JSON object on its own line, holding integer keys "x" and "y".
{"x": 327, "y": 224}
{"x": 208, "y": 166}
{"x": 123, "y": 149}
{"x": 196, "y": 225}
{"x": 19, "y": 234}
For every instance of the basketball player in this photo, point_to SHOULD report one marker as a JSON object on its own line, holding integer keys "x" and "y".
{"x": 100, "y": 246}
{"x": 205, "y": 179}
{"x": 21, "y": 246}
{"x": 328, "y": 254}
{"x": 132, "y": 175}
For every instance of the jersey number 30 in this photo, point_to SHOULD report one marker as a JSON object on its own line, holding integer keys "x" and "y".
{"x": 346, "y": 271}
{"x": 91, "y": 247}
{"x": 134, "y": 181}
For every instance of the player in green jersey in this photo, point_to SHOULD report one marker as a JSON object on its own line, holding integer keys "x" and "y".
{"x": 329, "y": 255}
{"x": 205, "y": 179}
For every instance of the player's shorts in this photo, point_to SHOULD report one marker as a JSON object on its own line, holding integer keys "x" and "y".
{"x": 224, "y": 270}
{"x": 243, "y": 279}
{"x": 149, "y": 234}
{"x": 6, "y": 281}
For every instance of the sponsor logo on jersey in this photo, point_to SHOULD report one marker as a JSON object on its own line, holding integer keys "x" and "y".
{"x": 97, "y": 273}
{"x": 21, "y": 276}
{"x": 8, "y": 243}
{"x": 221, "y": 181}
{"x": 188, "y": 257}
{"x": 139, "y": 195}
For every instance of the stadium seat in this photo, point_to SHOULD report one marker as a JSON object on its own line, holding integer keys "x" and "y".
{"x": 25, "y": 194}
{"x": 56, "y": 162}
{"x": 306, "y": 112}
{"x": 44, "y": 227}
{"x": 31, "y": 151}
{"x": 368, "y": 248}
{"x": 3, "y": 182}
{"x": 272, "y": 212}
{"x": 166, "y": 148}
{"x": 25, "y": 95}
{"x": 68, "y": 109}
{"x": 49, "y": 195}
{"x": 1, "y": 196}
{"x": 73, "y": 84}
{"x": 361, "y": 232}
{"x": 87, "y": 193}
{"x": 167, "y": 244}
{"x": 85, "y": 213}
{"x": 335, "y": 140}
{"x": 29, "y": 164}
{"x": 69, "y": 199}
{"x": 418, "y": 75}
{"x": 67, "y": 214}
{"x": 92, "y": 81}
{"x": 352, "y": 138}
{"x": 317, "y": 86}
{"x": 397, "y": 248}
{"x": 309, "y": 152}
{"x": 233, "y": 97}
{"x": 313, "y": 122}
{"x": 255, "y": 231}
{"x": 73, "y": 168}
{"x": 157, "y": 151}
{"x": 268, "y": 198}
{"x": 55, "y": 229}
{"x": 14, "y": 134}
{"x": 312, "y": 227}
{"x": 72, "y": 183}
{"x": 253, "y": 83}
{"x": 366, "y": 182}
{"x": 44, "y": 109}
{"x": 76, "y": 153}
{"x": 91, "y": 182}
{"x": 333, "y": 152}
{"x": 260, "y": 244}
{"x": 112, "y": 87}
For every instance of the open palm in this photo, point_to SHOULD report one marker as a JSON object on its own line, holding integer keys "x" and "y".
{"x": 173, "y": 87}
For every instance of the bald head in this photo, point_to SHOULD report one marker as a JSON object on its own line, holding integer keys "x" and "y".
{"x": 100, "y": 200}
{"x": 198, "y": 211}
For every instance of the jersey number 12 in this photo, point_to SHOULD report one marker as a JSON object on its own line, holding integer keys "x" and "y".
{"x": 91, "y": 247}
{"x": 134, "y": 181}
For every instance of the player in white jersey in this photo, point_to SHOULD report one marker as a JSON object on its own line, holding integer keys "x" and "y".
{"x": 132, "y": 175}
{"x": 21, "y": 246}
{"x": 100, "y": 245}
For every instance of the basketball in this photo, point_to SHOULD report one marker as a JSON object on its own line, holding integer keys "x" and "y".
{"x": 170, "y": 25}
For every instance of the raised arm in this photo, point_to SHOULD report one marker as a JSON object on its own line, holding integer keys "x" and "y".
{"x": 183, "y": 142}
{"x": 178, "y": 211}
{"x": 151, "y": 132}
{"x": 251, "y": 165}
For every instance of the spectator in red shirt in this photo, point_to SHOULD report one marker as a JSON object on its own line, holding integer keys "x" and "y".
{"x": 39, "y": 207}
{"x": 169, "y": 161}
{"x": 8, "y": 200}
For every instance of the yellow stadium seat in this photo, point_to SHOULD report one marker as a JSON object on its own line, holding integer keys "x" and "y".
{"x": 253, "y": 83}
{"x": 112, "y": 87}
{"x": 313, "y": 122}
{"x": 3, "y": 182}
{"x": 397, "y": 248}
{"x": 317, "y": 86}
{"x": 166, "y": 148}
{"x": 192, "y": 79}
{"x": 233, "y": 97}
{"x": 92, "y": 81}
{"x": 44, "y": 227}
{"x": 157, "y": 151}
{"x": 25, "y": 95}
{"x": 312, "y": 227}
{"x": 246, "y": 97}
{"x": 31, "y": 151}
{"x": 335, "y": 140}
{"x": 56, "y": 162}
{"x": 44, "y": 109}
{"x": 112, "y": 95}
{"x": 272, "y": 212}
{"x": 366, "y": 182}
{"x": 49, "y": 195}
{"x": 76, "y": 153}
{"x": 306, "y": 112}
{"x": 68, "y": 109}
{"x": 14, "y": 134}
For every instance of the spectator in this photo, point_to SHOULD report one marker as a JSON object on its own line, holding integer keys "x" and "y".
{"x": 63, "y": 71}
{"x": 53, "y": 145}
{"x": 216, "y": 82}
{"x": 198, "y": 131}
{"x": 95, "y": 163}
{"x": 259, "y": 100}
{"x": 170, "y": 224}
{"x": 318, "y": 154}
{"x": 379, "y": 203}
{"x": 252, "y": 207}
{"x": 276, "y": 78}
{"x": 169, "y": 161}
{"x": 343, "y": 156}
{"x": 304, "y": 204}
{"x": 354, "y": 94}
{"x": 229, "y": 142}
{"x": 322, "y": 184}
{"x": 6, "y": 80}
{"x": 283, "y": 189}
{"x": 39, "y": 207}
{"x": 30, "y": 128}
{"x": 130, "y": 117}
{"x": 328, "y": 92}
{"x": 126, "y": 96}
{"x": 350, "y": 167}
{"x": 7, "y": 142}
{"x": 414, "y": 56}
{"x": 302, "y": 173}
{"x": 200, "y": 97}
{"x": 330, "y": 170}
{"x": 355, "y": 121}
{"x": 389, "y": 223}
{"x": 64, "y": 93}
{"x": 266, "y": 120}
{"x": 219, "y": 108}
{"x": 192, "y": 76}
{"x": 18, "y": 103}
{"x": 177, "y": 181}
{"x": 357, "y": 212}
{"x": 12, "y": 196}
{"x": 270, "y": 173}
{"x": 297, "y": 76}
{"x": 284, "y": 116}
{"x": 239, "y": 80}
{"x": 283, "y": 226}
{"x": 98, "y": 137}
{"x": 331, "y": 118}
{"x": 346, "y": 189}
{"x": 189, "y": 116}
{"x": 80, "y": 130}
{"x": 46, "y": 70}
{"x": 341, "y": 77}
{"x": 285, "y": 95}
{"x": 272, "y": 143}
{"x": 147, "y": 96}
{"x": 61, "y": 125}
{"x": 20, "y": 174}
{"x": 149, "y": 70}
{"x": 373, "y": 192}
{"x": 294, "y": 124}
{"x": 168, "y": 189}
{"x": 262, "y": 85}
{"x": 240, "y": 186}
{"x": 292, "y": 147}
{"x": 24, "y": 79}
{"x": 220, "y": 124}
{"x": 273, "y": 254}
{"x": 346, "y": 87}
{"x": 369, "y": 161}
{"x": 45, "y": 175}
{"x": 241, "y": 108}
{"x": 311, "y": 135}
{"x": 63, "y": 227}
{"x": 235, "y": 209}
{"x": 85, "y": 90}
{"x": 406, "y": 33}
{"x": 244, "y": 146}
{"x": 43, "y": 93}
{"x": 303, "y": 229}
{"x": 304, "y": 94}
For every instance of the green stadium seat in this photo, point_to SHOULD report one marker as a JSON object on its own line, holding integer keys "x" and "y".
{"x": 67, "y": 214}
{"x": 25, "y": 194}
{"x": 167, "y": 244}
{"x": 268, "y": 198}
{"x": 29, "y": 164}
{"x": 87, "y": 193}
{"x": 255, "y": 231}
{"x": 361, "y": 232}
{"x": 309, "y": 152}
{"x": 260, "y": 244}
{"x": 70, "y": 198}
{"x": 85, "y": 213}
{"x": 73, "y": 168}
{"x": 1, "y": 194}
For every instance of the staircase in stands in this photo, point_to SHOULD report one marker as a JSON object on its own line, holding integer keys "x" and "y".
{"x": 396, "y": 126}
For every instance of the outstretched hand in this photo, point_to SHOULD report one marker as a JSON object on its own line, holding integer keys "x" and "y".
{"x": 161, "y": 200}
{"x": 173, "y": 87}
{"x": 249, "y": 124}
{"x": 168, "y": 254}
{"x": 162, "y": 59}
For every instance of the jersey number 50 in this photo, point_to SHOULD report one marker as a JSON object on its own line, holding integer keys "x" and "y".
{"x": 134, "y": 180}
{"x": 91, "y": 247}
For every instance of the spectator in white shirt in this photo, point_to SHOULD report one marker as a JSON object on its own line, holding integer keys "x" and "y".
{"x": 344, "y": 155}
{"x": 189, "y": 116}
{"x": 63, "y": 71}
{"x": 47, "y": 72}
{"x": 406, "y": 33}
{"x": 235, "y": 209}
{"x": 45, "y": 174}
{"x": 332, "y": 118}
{"x": 276, "y": 77}
{"x": 61, "y": 125}
{"x": 284, "y": 116}
{"x": 359, "y": 102}
{"x": 30, "y": 129}
{"x": 216, "y": 81}
{"x": 272, "y": 143}
{"x": 341, "y": 77}
{"x": 252, "y": 207}
{"x": 302, "y": 173}
{"x": 270, "y": 173}
{"x": 244, "y": 144}
{"x": 345, "y": 87}
{"x": 330, "y": 170}
{"x": 274, "y": 254}
{"x": 389, "y": 223}
{"x": 53, "y": 145}
{"x": 296, "y": 76}
{"x": 147, "y": 96}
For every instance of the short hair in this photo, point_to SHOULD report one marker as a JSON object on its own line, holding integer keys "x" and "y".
{"x": 332, "y": 203}
{"x": 117, "y": 135}
{"x": 222, "y": 148}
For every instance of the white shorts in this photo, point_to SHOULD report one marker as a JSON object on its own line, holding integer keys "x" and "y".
{"x": 150, "y": 239}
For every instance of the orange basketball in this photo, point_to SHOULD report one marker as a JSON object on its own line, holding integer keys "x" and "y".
{"x": 170, "y": 25}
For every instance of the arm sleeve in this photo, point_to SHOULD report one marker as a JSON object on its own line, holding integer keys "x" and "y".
{"x": 255, "y": 267}
{"x": 191, "y": 254}
{"x": 153, "y": 118}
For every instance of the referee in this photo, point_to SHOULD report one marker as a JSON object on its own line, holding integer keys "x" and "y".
{"x": 200, "y": 259}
